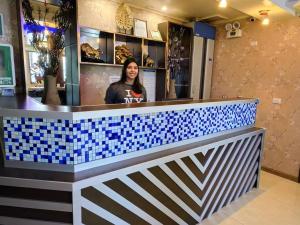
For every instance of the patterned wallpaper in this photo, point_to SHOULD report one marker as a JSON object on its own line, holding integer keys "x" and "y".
{"x": 9, "y": 11}
{"x": 264, "y": 63}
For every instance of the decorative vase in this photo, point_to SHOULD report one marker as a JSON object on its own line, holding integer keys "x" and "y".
{"x": 172, "y": 91}
{"x": 50, "y": 95}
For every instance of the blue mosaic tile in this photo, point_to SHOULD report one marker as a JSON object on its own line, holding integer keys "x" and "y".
{"x": 75, "y": 142}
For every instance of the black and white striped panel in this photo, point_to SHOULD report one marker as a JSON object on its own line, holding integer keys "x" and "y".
{"x": 183, "y": 188}
{"x": 34, "y": 206}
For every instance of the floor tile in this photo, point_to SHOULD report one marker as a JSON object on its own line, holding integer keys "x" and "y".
{"x": 276, "y": 202}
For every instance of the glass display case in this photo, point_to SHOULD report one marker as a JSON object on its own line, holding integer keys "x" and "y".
{"x": 179, "y": 44}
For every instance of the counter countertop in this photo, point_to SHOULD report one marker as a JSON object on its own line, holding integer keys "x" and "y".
{"x": 29, "y": 104}
{"x": 24, "y": 106}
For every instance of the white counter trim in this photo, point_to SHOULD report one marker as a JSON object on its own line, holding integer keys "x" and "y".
{"x": 115, "y": 112}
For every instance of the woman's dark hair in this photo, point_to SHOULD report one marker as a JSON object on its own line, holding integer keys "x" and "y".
{"x": 137, "y": 86}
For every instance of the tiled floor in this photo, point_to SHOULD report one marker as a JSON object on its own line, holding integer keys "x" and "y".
{"x": 276, "y": 202}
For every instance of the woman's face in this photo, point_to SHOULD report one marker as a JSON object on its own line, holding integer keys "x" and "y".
{"x": 132, "y": 71}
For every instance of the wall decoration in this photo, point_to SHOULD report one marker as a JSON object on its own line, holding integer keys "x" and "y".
{"x": 7, "y": 66}
{"x": 140, "y": 28}
{"x": 90, "y": 54}
{"x": 124, "y": 19}
{"x": 148, "y": 61}
{"x": 1, "y": 25}
{"x": 156, "y": 35}
{"x": 122, "y": 53}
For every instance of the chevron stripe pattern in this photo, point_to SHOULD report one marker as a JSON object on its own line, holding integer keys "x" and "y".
{"x": 183, "y": 188}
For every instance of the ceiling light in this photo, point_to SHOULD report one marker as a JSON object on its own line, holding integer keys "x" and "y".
{"x": 265, "y": 17}
{"x": 265, "y": 21}
{"x": 164, "y": 8}
{"x": 223, "y": 3}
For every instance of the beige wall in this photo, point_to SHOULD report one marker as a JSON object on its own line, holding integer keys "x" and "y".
{"x": 9, "y": 11}
{"x": 101, "y": 14}
{"x": 265, "y": 64}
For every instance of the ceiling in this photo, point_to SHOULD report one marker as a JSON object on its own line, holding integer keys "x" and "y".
{"x": 188, "y": 9}
{"x": 202, "y": 9}
{"x": 252, "y": 8}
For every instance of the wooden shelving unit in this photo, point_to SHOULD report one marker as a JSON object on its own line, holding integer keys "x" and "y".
{"x": 108, "y": 41}
{"x": 100, "y": 64}
{"x": 139, "y": 47}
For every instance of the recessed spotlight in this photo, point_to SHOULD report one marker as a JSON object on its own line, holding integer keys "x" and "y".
{"x": 265, "y": 17}
{"x": 164, "y": 8}
{"x": 223, "y": 3}
{"x": 265, "y": 21}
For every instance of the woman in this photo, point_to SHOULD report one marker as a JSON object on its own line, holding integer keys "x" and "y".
{"x": 128, "y": 89}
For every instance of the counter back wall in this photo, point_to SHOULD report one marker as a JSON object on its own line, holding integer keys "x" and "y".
{"x": 100, "y": 14}
{"x": 95, "y": 81}
{"x": 264, "y": 63}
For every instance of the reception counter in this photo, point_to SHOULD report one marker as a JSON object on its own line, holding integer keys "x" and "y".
{"x": 151, "y": 163}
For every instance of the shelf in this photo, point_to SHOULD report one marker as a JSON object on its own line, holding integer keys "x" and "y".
{"x": 39, "y": 88}
{"x": 182, "y": 85}
{"x": 152, "y": 68}
{"x": 128, "y": 35}
{"x": 119, "y": 65}
{"x": 100, "y": 64}
{"x": 148, "y": 39}
{"x": 155, "y": 40}
{"x": 95, "y": 32}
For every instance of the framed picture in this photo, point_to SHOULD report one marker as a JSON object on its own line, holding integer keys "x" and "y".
{"x": 7, "y": 66}
{"x": 156, "y": 35}
{"x": 1, "y": 25}
{"x": 140, "y": 28}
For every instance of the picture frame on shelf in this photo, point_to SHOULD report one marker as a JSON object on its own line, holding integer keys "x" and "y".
{"x": 1, "y": 25}
{"x": 7, "y": 66}
{"x": 156, "y": 35}
{"x": 140, "y": 28}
